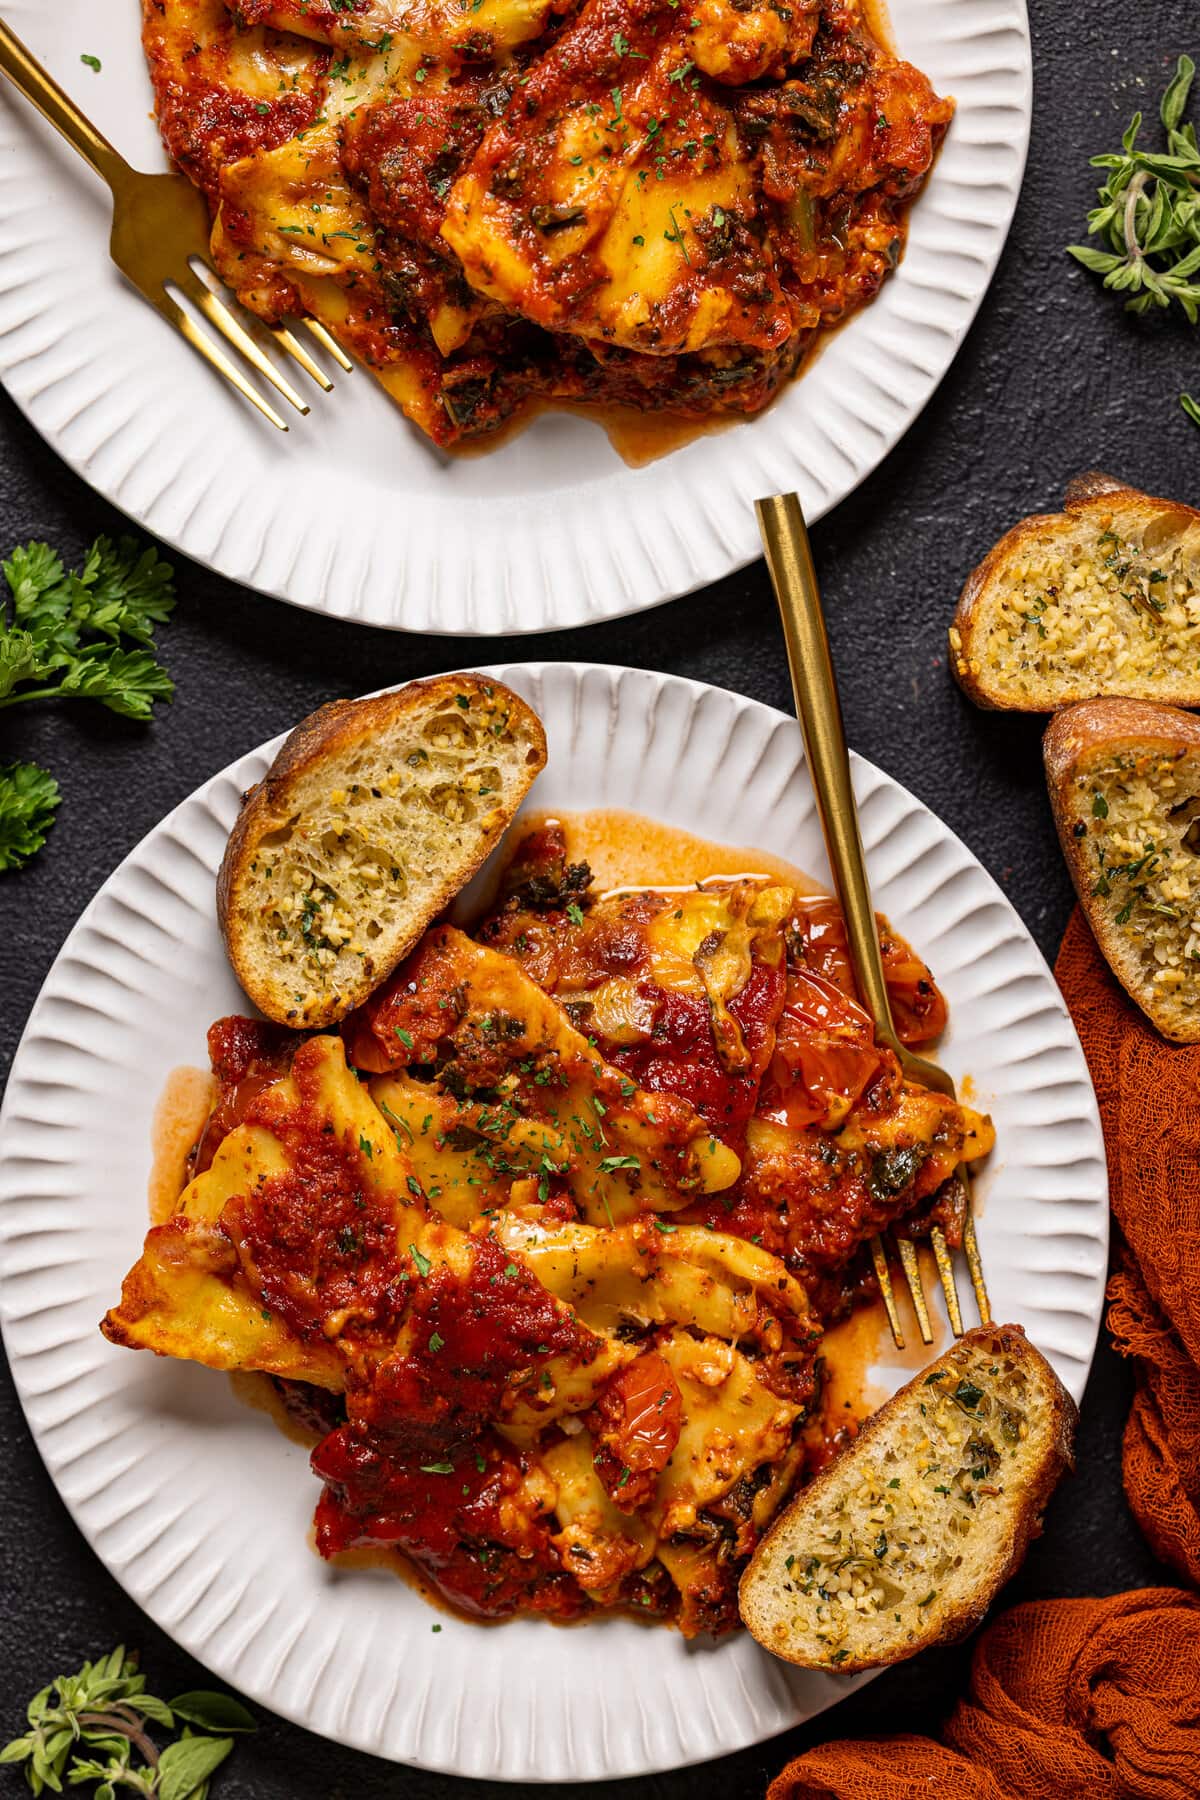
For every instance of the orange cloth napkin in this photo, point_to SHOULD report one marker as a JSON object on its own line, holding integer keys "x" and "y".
{"x": 1075, "y": 1699}
{"x": 1069, "y": 1700}
{"x": 1149, "y": 1094}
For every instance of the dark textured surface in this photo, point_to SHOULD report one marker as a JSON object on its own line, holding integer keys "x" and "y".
{"x": 1052, "y": 379}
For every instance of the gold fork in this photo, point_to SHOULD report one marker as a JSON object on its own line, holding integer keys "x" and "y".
{"x": 160, "y": 236}
{"x": 814, "y": 684}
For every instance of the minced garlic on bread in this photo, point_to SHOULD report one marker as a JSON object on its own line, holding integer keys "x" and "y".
{"x": 371, "y": 818}
{"x": 1102, "y": 598}
{"x": 1124, "y": 778}
{"x": 904, "y": 1540}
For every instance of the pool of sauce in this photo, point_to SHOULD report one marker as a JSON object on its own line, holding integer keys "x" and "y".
{"x": 637, "y": 437}
{"x": 623, "y": 850}
{"x": 183, "y": 1106}
{"x": 259, "y": 1392}
{"x": 850, "y": 1351}
{"x": 640, "y": 438}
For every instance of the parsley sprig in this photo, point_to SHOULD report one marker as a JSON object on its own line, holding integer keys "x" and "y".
{"x": 93, "y": 1727}
{"x": 87, "y": 635}
{"x": 28, "y": 802}
{"x": 1149, "y": 216}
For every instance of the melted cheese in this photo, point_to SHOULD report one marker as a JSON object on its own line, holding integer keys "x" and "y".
{"x": 185, "y": 1298}
{"x": 598, "y": 1542}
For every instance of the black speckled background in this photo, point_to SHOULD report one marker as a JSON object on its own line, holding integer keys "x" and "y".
{"x": 1052, "y": 379}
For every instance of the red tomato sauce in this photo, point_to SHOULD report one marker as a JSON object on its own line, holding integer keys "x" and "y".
{"x": 248, "y": 1056}
{"x": 321, "y": 1239}
{"x": 453, "y": 1515}
{"x": 681, "y": 1054}
{"x": 470, "y": 1337}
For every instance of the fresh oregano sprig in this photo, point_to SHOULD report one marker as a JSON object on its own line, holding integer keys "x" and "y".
{"x": 93, "y": 1727}
{"x": 1149, "y": 216}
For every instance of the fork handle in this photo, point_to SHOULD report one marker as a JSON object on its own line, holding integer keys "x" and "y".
{"x": 37, "y": 84}
{"x": 790, "y": 562}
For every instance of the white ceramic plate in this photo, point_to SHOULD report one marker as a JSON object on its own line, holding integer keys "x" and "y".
{"x": 549, "y": 530}
{"x": 201, "y": 1509}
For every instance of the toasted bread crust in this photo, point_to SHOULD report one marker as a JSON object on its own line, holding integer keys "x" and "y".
{"x": 1092, "y": 491}
{"x": 1105, "y": 725}
{"x": 317, "y": 740}
{"x": 1110, "y": 726}
{"x": 955, "y": 1622}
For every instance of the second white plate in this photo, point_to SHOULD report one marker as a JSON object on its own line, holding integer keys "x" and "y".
{"x": 201, "y": 1509}
{"x": 354, "y": 513}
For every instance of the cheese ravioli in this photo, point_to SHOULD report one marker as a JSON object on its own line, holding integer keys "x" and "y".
{"x": 546, "y": 1238}
{"x": 500, "y": 202}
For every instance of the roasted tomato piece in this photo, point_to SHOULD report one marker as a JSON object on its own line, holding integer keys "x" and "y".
{"x": 817, "y": 940}
{"x": 635, "y": 1424}
{"x": 825, "y": 1055}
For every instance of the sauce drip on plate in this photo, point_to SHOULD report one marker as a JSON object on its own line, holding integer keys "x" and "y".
{"x": 179, "y": 1118}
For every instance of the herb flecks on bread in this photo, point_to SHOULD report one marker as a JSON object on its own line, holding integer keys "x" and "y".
{"x": 372, "y": 817}
{"x": 903, "y": 1541}
{"x": 1102, "y": 598}
{"x": 1124, "y": 780}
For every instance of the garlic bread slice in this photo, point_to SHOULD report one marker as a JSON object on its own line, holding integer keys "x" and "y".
{"x": 1124, "y": 780}
{"x": 371, "y": 818}
{"x": 1101, "y": 598}
{"x": 904, "y": 1540}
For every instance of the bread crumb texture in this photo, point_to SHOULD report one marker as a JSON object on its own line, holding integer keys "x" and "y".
{"x": 371, "y": 838}
{"x": 1136, "y": 821}
{"x": 1106, "y": 601}
{"x": 905, "y": 1531}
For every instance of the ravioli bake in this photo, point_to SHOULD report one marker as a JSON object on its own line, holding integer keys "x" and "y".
{"x": 649, "y": 204}
{"x": 541, "y": 1246}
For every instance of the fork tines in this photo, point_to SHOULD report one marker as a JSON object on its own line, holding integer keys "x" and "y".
{"x": 910, "y": 1263}
{"x": 224, "y": 320}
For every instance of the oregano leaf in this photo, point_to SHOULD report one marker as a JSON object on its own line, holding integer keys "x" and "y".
{"x": 182, "y": 1767}
{"x": 213, "y": 1712}
{"x": 1175, "y": 100}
